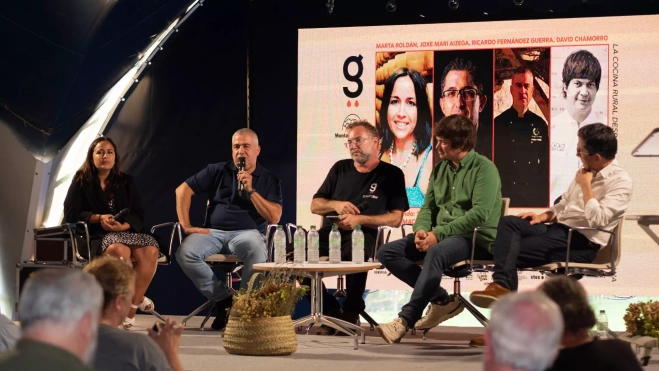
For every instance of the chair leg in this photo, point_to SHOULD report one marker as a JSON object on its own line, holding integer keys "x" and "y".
{"x": 194, "y": 313}
{"x": 160, "y": 317}
{"x": 229, "y": 281}
{"x": 457, "y": 294}
{"x": 208, "y": 315}
{"x": 229, "y": 284}
{"x": 369, "y": 319}
{"x": 340, "y": 290}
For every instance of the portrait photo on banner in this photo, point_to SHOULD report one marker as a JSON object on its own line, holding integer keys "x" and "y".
{"x": 579, "y": 97}
{"x": 521, "y": 131}
{"x": 404, "y": 117}
{"x": 463, "y": 85}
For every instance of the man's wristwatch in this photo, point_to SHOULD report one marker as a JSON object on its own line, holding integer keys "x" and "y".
{"x": 250, "y": 193}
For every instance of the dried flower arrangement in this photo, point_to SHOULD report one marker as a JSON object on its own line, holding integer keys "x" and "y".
{"x": 275, "y": 297}
{"x": 643, "y": 319}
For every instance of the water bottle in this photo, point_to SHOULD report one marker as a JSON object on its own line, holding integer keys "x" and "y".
{"x": 602, "y": 325}
{"x": 335, "y": 245}
{"x": 358, "y": 245}
{"x": 312, "y": 245}
{"x": 299, "y": 246}
{"x": 280, "y": 245}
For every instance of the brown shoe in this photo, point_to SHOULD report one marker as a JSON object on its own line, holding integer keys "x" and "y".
{"x": 477, "y": 342}
{"x": 486, "y": 297}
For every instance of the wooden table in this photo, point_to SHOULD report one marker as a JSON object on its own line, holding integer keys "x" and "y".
{"x": 316, "y": 272}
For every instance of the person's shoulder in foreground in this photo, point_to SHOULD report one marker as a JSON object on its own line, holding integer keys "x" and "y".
{"x": 120, "y": 350}
{"x": 604, "y": 355}
{"x": 9, "y": 333}
{"x": 36, "y": 356}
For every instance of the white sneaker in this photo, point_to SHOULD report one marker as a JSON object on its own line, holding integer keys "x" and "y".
{"x": 437, "y": 314}
{"x": 393, "y": 331}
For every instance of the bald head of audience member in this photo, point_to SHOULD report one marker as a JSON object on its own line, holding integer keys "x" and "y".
{"x": 61, "y": 307}
{"x": 524, "y": 333}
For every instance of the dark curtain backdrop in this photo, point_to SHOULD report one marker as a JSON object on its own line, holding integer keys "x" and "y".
{"x": 179, "y": 118}
{"x": 59, "y": 57}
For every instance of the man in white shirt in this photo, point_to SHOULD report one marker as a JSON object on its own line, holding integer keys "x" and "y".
{"x": 581, "y": 81}
{"x": 598, "y": 197}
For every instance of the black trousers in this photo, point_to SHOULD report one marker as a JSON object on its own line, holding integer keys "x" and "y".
{"x": 355, "y": 284}
{"x": 522, "y": 245}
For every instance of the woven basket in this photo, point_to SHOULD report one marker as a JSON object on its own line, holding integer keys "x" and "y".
{"x": 269, "y": 336}
{"x": 265, "y": 336}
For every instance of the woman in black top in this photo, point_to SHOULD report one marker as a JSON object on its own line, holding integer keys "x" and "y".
{"x": 100, "y": 190}
{"x": 579, "y": 351}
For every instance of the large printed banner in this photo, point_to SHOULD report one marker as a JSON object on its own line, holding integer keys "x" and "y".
{"x": 553, "y": 76}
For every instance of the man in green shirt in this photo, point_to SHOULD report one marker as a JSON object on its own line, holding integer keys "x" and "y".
{"x": 59, "y": 312}
{"x": 464, "y": 192}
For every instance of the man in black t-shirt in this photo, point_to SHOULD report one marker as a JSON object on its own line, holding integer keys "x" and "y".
{"x": 365, "y": 191}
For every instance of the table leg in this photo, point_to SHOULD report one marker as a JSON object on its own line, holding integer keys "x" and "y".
{"x": 317, "y": 318}
{"x": 650, "y": 232}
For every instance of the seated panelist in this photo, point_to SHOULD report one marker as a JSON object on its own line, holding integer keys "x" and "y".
{"x": 464, "y": 192}
{"x": 243, "y": 197}
{"x": 361, "y": 190}
{"x": 598, "y": 197}
{"x": 100, "y": 190}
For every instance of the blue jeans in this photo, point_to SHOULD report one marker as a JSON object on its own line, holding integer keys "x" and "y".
{"x": 248, "y": 245}
{"x": 400, "y": 258}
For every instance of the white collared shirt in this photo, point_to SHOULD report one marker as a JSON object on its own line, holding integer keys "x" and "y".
{"x": 612, "y": 191}
{"x": 564, "y": 162}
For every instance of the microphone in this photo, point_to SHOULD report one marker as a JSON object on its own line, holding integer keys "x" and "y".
{"x": 241, "y": 167}
{"x": 363, "y": 206}
{"x": 120, "y": 215}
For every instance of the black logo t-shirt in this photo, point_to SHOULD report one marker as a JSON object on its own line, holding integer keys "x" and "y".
{"x": 375, "y": 193}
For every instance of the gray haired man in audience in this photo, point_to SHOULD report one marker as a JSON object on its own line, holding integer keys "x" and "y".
{"x": 524, "y": 333}
{"x": 59, "y": 312}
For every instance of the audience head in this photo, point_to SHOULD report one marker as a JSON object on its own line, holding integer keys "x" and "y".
{"x": 61, "y": 307}
{"x": 571, "y": 298}
{"x": 405, "y": 113}
{"x": 245, "y": 143}
{"x": 363, "y": 141}
{"x": 462, "y": 90}
{"x": 117, "y": 279}
{"x": 102, "y": 158}
{"x": 524, "y": 333}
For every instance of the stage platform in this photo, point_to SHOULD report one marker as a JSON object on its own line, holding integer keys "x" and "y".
{"x": 447, "y": 347}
